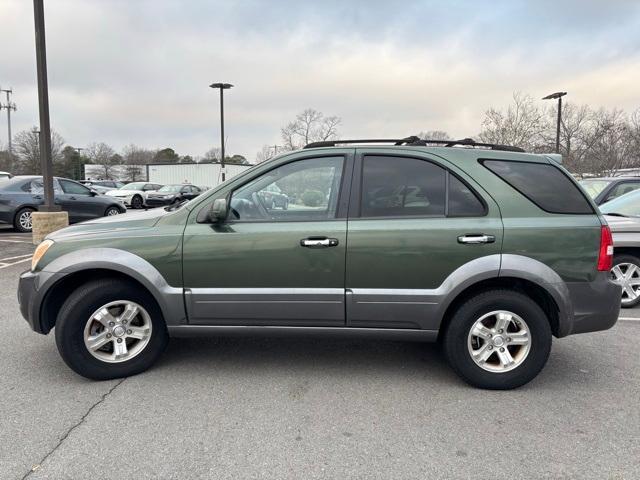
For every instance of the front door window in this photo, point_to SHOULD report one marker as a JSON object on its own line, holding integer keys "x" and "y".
{"x": 306, "y": 190}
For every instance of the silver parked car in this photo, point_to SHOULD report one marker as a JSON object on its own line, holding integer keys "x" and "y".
{"x": 623, "y": 216}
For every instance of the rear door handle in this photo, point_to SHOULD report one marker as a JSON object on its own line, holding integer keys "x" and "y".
{"x": 318, "y": 242}
{"x": 476, "y": 238}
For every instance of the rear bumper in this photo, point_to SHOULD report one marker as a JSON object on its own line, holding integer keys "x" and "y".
{"x": 596, "y": 305}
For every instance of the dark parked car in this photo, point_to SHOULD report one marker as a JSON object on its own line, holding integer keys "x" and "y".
{"x": 170, "y": 194}
{"x": 21, "y": 195}
{"x": 102, "y": 186}
{"x": 605, "y": 189}
{"x": 272, "y": 197}
{"x": 491, "y": 252}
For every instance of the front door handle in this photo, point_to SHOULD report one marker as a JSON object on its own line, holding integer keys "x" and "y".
{"x": 318, "y": 242}
{"x": 476, "y": 238}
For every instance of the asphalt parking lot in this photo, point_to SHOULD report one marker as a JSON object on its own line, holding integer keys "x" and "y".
{"x": 300, "y": 408}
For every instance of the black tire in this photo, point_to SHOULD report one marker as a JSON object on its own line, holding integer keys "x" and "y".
{"x": 136, "y": 202}
{"x": 79, "y": 307}
{"x": 629, "y": 260}
{"x": 18, "y": 224}
{"x": 109, "y": 211}
{"x": 456, "y": 334}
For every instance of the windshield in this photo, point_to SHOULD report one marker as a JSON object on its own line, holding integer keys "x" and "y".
{"x": 594, "y": 187}
{"x": 133, "y": 186}
{"x": 627, "y": 205}
{"x": 170, "y": 189}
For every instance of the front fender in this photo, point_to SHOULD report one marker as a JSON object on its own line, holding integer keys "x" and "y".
{"x": 170, "y": 299}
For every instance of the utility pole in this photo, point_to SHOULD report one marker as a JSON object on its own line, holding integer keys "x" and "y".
{"x": 8, "y": 106}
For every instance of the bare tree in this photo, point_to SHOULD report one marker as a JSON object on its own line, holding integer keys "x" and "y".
{"x": 522, "y": 124}
{"x": 611, "y": 147}
{"x": 309, "y": 126}
{"x": 267, "y": 153}
{"x": 134, "y": 158}
{"x": 105, "y": 156}
{"x": 134, "y": 155}
{"x": 434, "y": 135}
{"x": 26, "y": 146}
{"x": 212, "y": 155}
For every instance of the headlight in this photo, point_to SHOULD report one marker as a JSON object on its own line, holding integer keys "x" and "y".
{"x": 39, "y": 253}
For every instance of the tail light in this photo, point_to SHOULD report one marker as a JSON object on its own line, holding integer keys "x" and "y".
{"x": 605, "y": 257}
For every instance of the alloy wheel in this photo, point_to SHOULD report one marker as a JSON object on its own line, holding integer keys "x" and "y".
{"x": 118, "y": 331}
{"x": 628, "y": 276}
{"x": 499, "y": 341}
{"x": 25, "y": 220}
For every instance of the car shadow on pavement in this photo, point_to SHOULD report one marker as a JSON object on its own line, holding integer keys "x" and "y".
{"x": 344, "y": 357}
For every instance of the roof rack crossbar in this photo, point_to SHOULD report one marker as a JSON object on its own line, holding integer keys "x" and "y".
{"x": 416, "y": 141}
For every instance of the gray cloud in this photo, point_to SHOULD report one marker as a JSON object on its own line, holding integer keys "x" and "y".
{"x": 137, "y": 71}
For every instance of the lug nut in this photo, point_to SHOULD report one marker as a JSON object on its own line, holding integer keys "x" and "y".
{"x": 500, "y": 331}
{"x": 490, "y": 347}
{"x": 502, "y": 349}
{"x": 124, "y": 322}
{"x": 508, "y": 339}
{"x": 108, "y": 335}
{"x": 119, "y": 340}
{"x": 111, "y": 324}
{"x": 129, "y": 332}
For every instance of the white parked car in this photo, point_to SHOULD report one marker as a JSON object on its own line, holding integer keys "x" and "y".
{"x": 134, "y": 194}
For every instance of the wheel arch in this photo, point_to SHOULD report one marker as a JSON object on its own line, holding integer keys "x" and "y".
{"x": 524, "y": 274}
{"x": 536, "y": 292}
{"x": 67, "y": 272}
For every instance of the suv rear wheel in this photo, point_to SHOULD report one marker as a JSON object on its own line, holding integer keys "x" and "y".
{"x": 498, "y": 339}
{"x": 109, "y": 329}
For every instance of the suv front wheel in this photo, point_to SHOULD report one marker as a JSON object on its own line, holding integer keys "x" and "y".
{"x": 109, "y": 329}
{"x": 498, "y": 339}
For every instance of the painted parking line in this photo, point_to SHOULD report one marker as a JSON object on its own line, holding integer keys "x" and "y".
{"x": 4, "y": 260}
{"x": 15, "y": 241}
{"x": 629, "y": 319}
{"x": 6, "y": 265}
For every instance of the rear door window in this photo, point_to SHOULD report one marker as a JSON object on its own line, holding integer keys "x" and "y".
{"x": 412, "y": 187}
{"x": 545, "y": 185}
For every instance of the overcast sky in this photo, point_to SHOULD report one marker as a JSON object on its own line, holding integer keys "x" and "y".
{"x": 137, "y": 71}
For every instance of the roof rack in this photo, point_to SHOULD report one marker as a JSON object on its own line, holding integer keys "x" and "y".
{"x": 417, "y": 141}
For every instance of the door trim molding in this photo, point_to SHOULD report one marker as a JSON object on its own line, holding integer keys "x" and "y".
{"x": 292, "y": 331}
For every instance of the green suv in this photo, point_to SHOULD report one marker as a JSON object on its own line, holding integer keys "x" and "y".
{"x": 484, "y": 248}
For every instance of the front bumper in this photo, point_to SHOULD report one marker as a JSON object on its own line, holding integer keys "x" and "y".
{"x": 32, "y": 288}
{"x": 28, "y": 300}
{"x": 596, "y": 305}
{"x": 159, "y": 202}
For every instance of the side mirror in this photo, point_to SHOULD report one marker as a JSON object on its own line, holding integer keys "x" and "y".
{"x": 219, "y": 210}
{"x": 94, "y": 193}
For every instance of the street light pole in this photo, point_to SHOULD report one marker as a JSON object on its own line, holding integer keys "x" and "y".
{"x": 222, "y": 87}
{"x": 43, "y": 100}
{"x": 559, "y": 96}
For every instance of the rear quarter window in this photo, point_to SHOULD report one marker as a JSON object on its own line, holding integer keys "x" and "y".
{"x": 545, "y": 185}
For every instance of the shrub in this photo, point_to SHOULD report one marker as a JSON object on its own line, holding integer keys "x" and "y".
{"x": 312, "y": 198}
